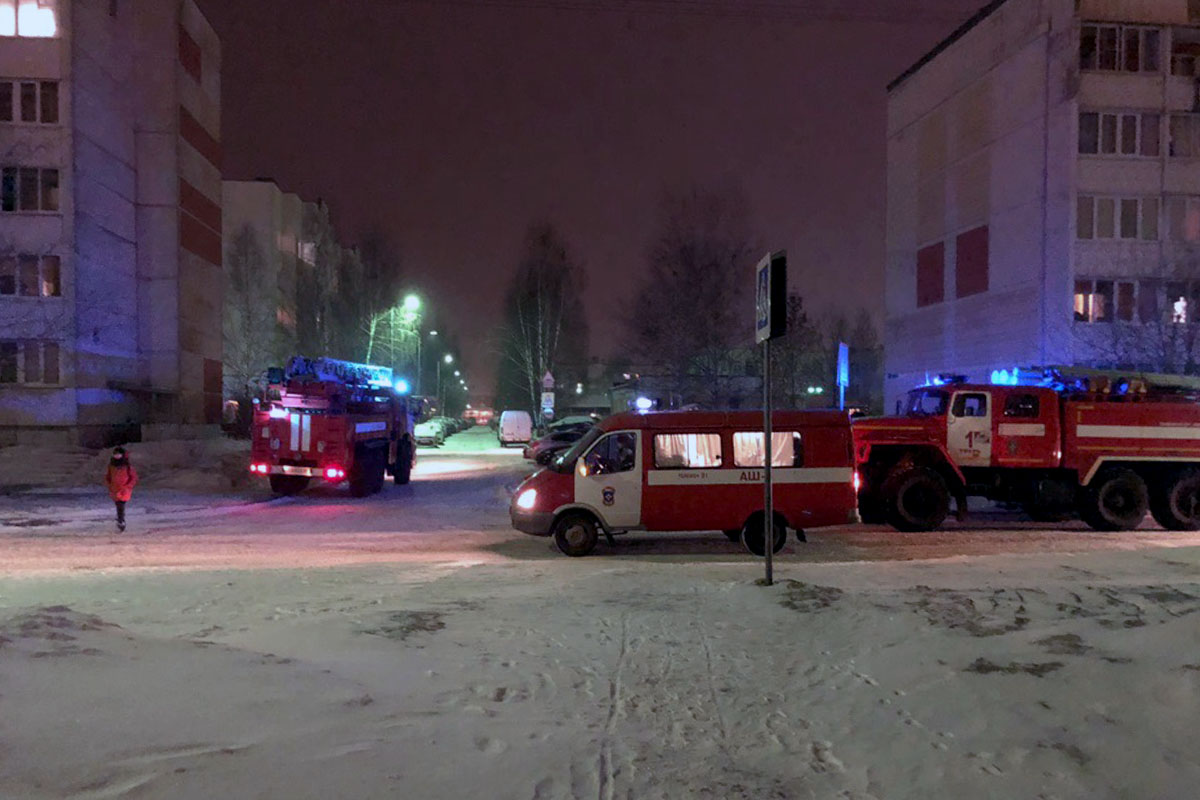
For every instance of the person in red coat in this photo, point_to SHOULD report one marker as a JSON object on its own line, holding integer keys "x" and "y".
{"x": 120, "y": 478}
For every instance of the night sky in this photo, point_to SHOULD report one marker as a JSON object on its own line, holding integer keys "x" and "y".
{"x": 451, "y": 125}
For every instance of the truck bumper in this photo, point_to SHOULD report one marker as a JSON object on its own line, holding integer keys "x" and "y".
{"x": 287, "y": 469}
{"x": 535, "y": 523}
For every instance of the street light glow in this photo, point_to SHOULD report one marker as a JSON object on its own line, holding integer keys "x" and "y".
{"x": 457, "y": 373}
{"x": 412, "y": 303}
{"x": 449, "y": 359}
{"x": 433, "y": 333}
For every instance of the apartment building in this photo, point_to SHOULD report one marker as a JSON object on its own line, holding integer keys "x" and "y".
{"x": 110, "y": 221}
{"x": 1044, "y": 193}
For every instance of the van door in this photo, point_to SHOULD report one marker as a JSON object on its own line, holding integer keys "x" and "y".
{"x": 969, "y": 429}
{"x": 608, "y": 478}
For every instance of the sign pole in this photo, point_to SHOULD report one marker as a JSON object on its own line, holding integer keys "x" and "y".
{"x": 768, "y": 499}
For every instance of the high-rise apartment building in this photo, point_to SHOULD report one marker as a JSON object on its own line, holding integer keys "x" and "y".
{"x": 1044, "y": 193}
{"x": 110, "y": 222}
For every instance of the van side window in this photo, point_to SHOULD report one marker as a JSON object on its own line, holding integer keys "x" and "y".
{"x": 1022, "y": 405}
{"x": 687, "y": 450}
{"x": 616, "y": 452}
{"x": 787, "y": 449}
{"x": 970, "y": 405}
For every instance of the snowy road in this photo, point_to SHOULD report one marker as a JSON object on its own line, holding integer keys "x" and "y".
{"x": 436, "y": 654}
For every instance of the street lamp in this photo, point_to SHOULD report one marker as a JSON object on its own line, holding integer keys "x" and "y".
{"x": 446, "y": 359}
{"x": 412, "y": 304}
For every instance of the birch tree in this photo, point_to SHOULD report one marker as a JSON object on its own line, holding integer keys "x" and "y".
{"x": 691, "y": 317}
{"x": 544, "y": 319}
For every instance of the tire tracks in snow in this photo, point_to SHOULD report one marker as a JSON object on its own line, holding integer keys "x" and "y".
{"x": 605, "y": 772}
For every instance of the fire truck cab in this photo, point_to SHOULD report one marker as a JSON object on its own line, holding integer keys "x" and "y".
{"x": 1105, "y": 447}
{"x": 334, "y": 421}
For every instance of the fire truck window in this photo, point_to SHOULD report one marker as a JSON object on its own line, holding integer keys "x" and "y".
{"x": 786, "y": 449}
{"x": 928, "y": 403}
{"x": 1024, "y": 406}
{"x": 970, "y": 405}
{"x": 687, "y": 450}
{"x": 614, "y": 453}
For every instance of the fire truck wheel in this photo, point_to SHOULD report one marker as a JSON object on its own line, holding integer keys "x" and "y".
{"x": 576, "y": 535}
{"x": 1115, "y": 500}
{"x": 916, "y": 500}
{"x": 1175, "y": 503}
{"x": 402, "y": 471}
{"x": 288, "y": 484}
{"x": 752, "y": 535}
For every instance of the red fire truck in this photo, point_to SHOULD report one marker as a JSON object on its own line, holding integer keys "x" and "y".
{"x": 1096, "y": 444}
{"x": 332, "y": 420}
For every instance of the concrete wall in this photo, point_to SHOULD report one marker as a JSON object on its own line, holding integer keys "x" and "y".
{"x": 984, "y": 134}
{"x": 138, "y": 230}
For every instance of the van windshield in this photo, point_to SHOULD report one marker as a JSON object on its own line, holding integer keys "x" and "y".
{"x": 927, "y": 403}
{"x": 566, "y": 462}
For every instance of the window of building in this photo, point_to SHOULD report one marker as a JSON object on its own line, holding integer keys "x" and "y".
{"x": 32, "y": 18}
{"x": 1115, "y": 301}
{"x": 31, "y": 276}
{"x": 1185, "y": 52}
{"x": 29, "y": 189}
{"x": 1123, "y": 48}
{"x": 1022, "y": 406}
{"x": 1184, "y": 136}
{"x": 1117, "y": 218}
{"x": 1183, "y": 219}
{"x": 29, "y": 101}
{"x": 1120, "y": 134}
{"x": 30, "y": 362}
{"x": 787, "y": 449}
{"x": 931, "y": 275}
{"x": 687, "y": 450}
{"x": 8, "y": 362}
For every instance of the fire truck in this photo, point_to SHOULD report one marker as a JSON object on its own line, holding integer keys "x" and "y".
{"x": 1098, "y": 444}
{"x": 320, "y": 418}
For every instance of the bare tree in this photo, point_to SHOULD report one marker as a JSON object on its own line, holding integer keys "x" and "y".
{"x": 251, "y": 337}
{"x": 691, "y": 317}
{"x": 544, "y": 321}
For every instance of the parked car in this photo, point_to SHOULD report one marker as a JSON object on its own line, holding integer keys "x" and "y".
{"x": 429, "y": 433}
{"x": 558, "y": 440}
{"x": 516, "y": 427}
{"x": 547, "y": 454}
{"x": 692, "y": 471}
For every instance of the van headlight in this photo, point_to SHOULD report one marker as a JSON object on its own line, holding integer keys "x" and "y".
{"x": 527, "y": 499}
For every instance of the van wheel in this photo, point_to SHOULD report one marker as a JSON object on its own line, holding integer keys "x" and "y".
{"x": 1175, "y": 503}
{"x": 1116, "y": 500}
{"x": 733, "y": 536}
{"x": 916, "y": 499}
{"x": 575, "y": 535}
{"x": 752, "y": 535}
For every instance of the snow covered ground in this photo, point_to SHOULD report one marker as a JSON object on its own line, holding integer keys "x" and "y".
{"x": 414, "y": 647}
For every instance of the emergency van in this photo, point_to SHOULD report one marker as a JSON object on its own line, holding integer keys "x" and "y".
{"x": 692, "y": 471}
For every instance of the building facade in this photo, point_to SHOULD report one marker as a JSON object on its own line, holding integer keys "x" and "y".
{"x": 1044, "y": 193}
{"x": 110, "y": 228}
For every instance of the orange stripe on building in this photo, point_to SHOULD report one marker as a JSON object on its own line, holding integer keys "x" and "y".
{"x": 198, "y": 239}
{"x": 196, "y": 203}
{"x": 190, "y": 55}
{"x": 195, "y": 134}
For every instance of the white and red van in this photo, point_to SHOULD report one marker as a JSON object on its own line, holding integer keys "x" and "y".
{"x": 692, "y": 471}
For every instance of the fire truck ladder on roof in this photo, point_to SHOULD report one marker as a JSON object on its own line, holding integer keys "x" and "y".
{"x": 1121, "y": 383}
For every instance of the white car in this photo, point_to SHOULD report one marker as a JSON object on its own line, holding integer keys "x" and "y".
{"x": 429, "y": 433}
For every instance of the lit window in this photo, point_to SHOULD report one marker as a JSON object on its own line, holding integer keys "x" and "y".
{"x": 687, "y": 450}
{"x": 786, "y": 449}
{"x": 36, "y": 18}
{"x": 31, "y": 276}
